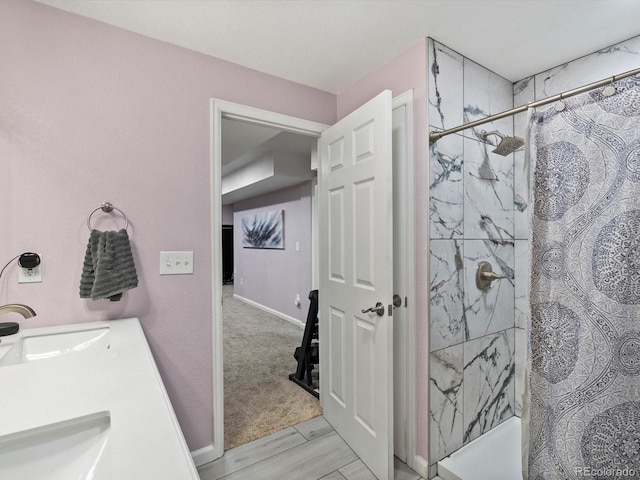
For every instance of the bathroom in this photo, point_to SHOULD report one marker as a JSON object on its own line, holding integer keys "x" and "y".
{"x": 141, "y": 132}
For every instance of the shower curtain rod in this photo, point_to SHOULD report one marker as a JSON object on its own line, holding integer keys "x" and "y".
{"x": 437, "y": 135}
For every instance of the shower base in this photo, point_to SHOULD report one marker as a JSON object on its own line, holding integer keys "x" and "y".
{"x": 496, "y": 455}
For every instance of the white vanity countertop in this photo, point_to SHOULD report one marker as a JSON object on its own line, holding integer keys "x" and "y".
{"x": 145, "y": 439}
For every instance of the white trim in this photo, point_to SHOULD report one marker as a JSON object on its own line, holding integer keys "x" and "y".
{"x": 315, "y": 236}
{"x": 203, "y": 455}
{"x": 276, "y": 313}
{"x": 420, "y": 466}
{"x": 222, "y": 109}
{"x": 216, "y": 276}
{"x": 409, "y": 262}
{"x": 400, "y": 128}
{"x": 258, "y": 116}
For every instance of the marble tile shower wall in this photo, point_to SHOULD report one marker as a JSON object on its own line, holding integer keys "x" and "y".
{"x": 472, "y": 336}
{"x": 478, "y": 211}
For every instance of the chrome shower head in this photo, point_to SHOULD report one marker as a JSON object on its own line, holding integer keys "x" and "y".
{"x": 507, "y": 144}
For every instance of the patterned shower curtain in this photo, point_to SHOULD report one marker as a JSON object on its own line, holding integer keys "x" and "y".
{"x": 584, "y": 332}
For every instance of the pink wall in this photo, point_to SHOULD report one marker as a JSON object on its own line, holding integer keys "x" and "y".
{"x": 405, "y": 72}
{"x": 272, "y": 278}
{"x": 92, "y": 113}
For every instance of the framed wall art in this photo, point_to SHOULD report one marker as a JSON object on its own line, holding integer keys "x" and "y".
{"x": 263, "y": 230}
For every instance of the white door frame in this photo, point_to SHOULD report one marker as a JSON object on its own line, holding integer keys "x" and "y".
{"x": 220, "y": 109}
{"x": 403, "y": 264}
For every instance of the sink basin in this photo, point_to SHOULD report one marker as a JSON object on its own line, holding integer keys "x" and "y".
{"x": 75, "y": 449}
{"x": 36, "y": 347}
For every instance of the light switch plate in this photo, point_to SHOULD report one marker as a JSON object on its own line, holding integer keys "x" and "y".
{"x": 176, "y": 263}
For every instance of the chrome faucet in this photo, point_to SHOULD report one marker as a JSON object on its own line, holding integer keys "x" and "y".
{"x": 25, "y": 311}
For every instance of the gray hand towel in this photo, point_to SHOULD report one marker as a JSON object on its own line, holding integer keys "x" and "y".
{"x": 108, "y": 268}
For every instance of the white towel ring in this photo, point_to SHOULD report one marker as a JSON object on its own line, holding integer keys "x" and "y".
{"x": 107, "y": 207}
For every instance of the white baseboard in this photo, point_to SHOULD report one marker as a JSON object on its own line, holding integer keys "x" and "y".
{"x": 420, "y": 466}
{"x": 281, "y": 315}
{"x": 203, "y": 455}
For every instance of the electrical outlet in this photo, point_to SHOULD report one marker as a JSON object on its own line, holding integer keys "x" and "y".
{"x": 176, "y": 263}
{"x": 30, "y": 275}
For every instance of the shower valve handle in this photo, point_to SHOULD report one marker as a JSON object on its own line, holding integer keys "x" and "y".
{"x": 491, "y": 276}
{"x": 485, "y": 275}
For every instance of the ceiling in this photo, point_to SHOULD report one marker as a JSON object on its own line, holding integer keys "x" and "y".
{"x": 246, "y": 145}
{"x": 330, "y": 44}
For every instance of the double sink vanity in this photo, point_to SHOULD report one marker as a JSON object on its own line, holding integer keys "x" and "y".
{"x": 86, "y": 401}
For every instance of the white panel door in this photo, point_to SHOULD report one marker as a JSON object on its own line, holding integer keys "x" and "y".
{"x": 356, "y": 273}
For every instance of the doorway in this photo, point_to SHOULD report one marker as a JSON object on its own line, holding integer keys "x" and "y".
{"x": 403, "y": 337}
{"x": 267, "y": 184}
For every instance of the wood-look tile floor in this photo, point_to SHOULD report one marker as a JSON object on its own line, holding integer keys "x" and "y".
{"x": 311, "y": 450}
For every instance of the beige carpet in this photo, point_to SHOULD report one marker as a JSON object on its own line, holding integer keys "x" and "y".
{"x": 259, "y": 398}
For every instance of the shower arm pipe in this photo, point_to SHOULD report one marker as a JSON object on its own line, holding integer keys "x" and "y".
{"x": 438, "y": 134}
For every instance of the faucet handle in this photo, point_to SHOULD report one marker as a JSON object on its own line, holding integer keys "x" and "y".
{"x": 485, "y": 275}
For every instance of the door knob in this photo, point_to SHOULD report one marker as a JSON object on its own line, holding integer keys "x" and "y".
{"x": 485, "y": 275}
{"x": 378, "y": 309}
